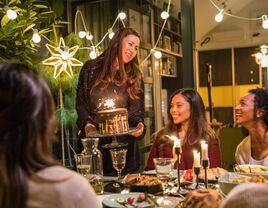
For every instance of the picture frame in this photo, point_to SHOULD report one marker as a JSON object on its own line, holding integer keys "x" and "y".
{"x": 135, "y": 20}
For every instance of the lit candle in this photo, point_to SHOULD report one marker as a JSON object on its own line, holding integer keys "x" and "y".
{"x": 196, "y": 163}
{"x": 204, "y": 150}
{"x": 177, "y": 142}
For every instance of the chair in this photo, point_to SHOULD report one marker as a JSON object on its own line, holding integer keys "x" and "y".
{"x": 230, "y": 137}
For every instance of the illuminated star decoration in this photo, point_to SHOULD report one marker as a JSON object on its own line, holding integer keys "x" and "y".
{"x": 62, "y": 60}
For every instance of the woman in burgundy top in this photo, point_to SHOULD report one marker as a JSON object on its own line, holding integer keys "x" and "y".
{"x": 188, "y": 122}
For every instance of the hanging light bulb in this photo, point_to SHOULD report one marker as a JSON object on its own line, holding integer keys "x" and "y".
{"x": 157, "y": 54}
{"x": 36, "y": 37}
{"x": 258, "y": 56}
{"x": 264, "y": 61}
{"x": 92, "y": 53}
{"x": 219, "y": 16}
{"x": 89, "y": 36}
{"x": 111, "y": 33}
{"x": 122, "y": 15}
{"x": 11, "y": 14}
{"x": 82, "y": 34}
{"x": 164, "y": 15}
{"x": 263, "y": 49}
{"x": 264, "y": 21}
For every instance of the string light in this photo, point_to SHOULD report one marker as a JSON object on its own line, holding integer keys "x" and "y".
{"x": 11, "y": 14}
{"x": 111, "y": 33}
{"x": 262, "y": 56}
{"x": 82, "y": 34}
{"x": 93, "y": 53}
{"x": 122, "y": 15}
{"x": 164, "y": 15}
{"x": 263, "y": 17}
{"x": 264, "y": 21}
{"x": 36, "y": 37}
{"x": 219, "y": 16}
{"x": 89, "y": 36}
{"x": 157, "y": 54}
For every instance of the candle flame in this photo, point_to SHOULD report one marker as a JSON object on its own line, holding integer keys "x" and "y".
{"x": 109, "y": 103}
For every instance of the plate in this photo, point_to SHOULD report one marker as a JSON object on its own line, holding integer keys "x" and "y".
{"x": 97, "y": 134}
{"x": 111, "y": 201}
{"x": 249, "y": 169}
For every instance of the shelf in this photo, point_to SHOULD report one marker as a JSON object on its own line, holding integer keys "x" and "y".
{"x": 168, "y": 52}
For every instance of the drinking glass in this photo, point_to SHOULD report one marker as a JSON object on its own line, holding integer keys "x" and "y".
{"x": 119, "y": 160}
{"x": 164, "y": 168}
{"x": 83, "y": 164}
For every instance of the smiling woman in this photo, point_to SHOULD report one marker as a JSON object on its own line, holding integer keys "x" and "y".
{"x": 252, "y": 113}
{"x": 115, "y": 76}
{"x": 187, "y": 121}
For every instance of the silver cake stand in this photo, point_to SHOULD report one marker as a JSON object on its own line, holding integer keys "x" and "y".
{"x": 114, "y": 144}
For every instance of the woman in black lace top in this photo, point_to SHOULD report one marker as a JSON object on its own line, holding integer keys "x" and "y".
{"x": 114, "y": 75}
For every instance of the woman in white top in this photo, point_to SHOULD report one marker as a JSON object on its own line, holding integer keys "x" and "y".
{"x": 29, "y": 177}
{"x": 252, "y": 113}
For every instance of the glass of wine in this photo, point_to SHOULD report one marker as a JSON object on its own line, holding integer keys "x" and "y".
{"x": 119, "y": 160}
{"x": 164, "y": 168}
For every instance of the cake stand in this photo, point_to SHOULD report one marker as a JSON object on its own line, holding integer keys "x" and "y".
{"x": 114, "y": 144}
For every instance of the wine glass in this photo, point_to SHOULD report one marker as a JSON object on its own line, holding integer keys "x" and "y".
{"x": 119, "y": 160}
{"x": 164, "y": 168}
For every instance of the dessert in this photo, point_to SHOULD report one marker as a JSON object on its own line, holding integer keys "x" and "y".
{"x": 113, "y": 121}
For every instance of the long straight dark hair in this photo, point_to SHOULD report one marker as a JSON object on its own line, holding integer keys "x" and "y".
{"x": 129, "y": 73}
{"x": 26, "y": 125}
{"x": 198, "y": 127}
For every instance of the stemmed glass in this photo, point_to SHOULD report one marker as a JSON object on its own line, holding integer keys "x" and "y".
{"x": 119, "y": 160}
{"x": 164, "y": 168}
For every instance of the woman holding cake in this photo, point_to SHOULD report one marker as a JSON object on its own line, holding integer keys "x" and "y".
{"x": 114, "y": 76}
{"x": 188, "y": 122}
{"x": 252, "y": 113}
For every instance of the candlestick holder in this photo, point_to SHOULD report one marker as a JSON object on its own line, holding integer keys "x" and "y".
{"x": 205, "y": 166}
{"x": 178, "y": 153}
{"x": 197, "y": 172}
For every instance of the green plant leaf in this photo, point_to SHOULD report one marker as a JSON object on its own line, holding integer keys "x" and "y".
{"x": 4, "y": 20}
{"x": 11, "y": 2}
{"x": 41, "y": 6}
{"x": 29, "y": 27}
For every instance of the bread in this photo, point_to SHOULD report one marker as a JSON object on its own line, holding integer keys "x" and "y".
{"x": 200, "y": 198}
{"x": 212, "y": 173}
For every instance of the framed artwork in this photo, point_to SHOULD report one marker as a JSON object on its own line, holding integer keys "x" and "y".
{"x": 135, "y": 20}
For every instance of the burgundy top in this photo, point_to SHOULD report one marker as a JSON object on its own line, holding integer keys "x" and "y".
{"x": 162, "y": 148}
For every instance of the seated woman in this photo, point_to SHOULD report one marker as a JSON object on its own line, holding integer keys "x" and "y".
{"x": 29, "y": 175}
{"x": 252, "y": 113}
{"x": 188, "y": 122}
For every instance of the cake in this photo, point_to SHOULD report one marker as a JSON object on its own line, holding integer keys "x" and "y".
{"x": 113, "y": 121}
{"x": 208, "y": 198}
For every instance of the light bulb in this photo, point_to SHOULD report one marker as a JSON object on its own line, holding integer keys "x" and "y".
{"x": 219, "y": 16}
{"x": 264, "y": 49}
{"x": 264, "y": 21}
{"x": 82, "y": 34}
{"x": 92, "y": 54}
{"x": 164, "y": 15}
{"x": 11, "y": 14}
{"x": 89, "y": 36}
{"x": 122, "y": 15}
{"x": 157, "y": 54}
{"x": 36, "y": 37}
{"x": 258, "y": 55}
{"x": 111, "y": 35}
{"x": 264, "y": 61}
{"x": 65, "y": 55}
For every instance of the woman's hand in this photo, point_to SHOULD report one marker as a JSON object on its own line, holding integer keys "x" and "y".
{"x": 139, "y": 131}
{"x": 89, "y": 128}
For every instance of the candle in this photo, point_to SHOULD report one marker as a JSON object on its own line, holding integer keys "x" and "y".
{"x": 196, "y": 163}
{"x": 204, "y": 150}
{"x": 177, "y": 142}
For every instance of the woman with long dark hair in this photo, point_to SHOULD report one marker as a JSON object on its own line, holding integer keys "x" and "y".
{"x": 187, "y": 121}
{"x": 114, "y": 75}
{"x": 29, "y": 176}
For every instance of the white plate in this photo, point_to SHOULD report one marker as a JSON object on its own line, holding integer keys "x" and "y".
{"x": 111, "y": 201}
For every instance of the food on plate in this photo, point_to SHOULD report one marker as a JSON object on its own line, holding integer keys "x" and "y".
{"x": 141, "y": 180}
{"x": 253, "y": 179}
{"x": 212, "y": 173}
{"x": 251, "y": 169}
{"x": 208, "y": 198}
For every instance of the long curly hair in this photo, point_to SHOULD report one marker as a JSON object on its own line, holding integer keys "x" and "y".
{"x": 26, "y": 124}
{"x": 198, "y": 126}
{"x": 129, "y": 73}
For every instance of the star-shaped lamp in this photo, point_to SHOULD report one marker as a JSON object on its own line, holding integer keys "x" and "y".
{"x": 62, "y": 60}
